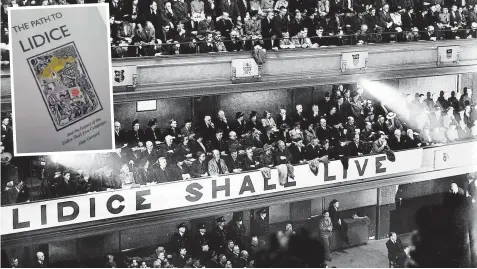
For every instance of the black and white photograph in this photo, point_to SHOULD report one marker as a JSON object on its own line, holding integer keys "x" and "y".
{"x": 247, "y": 134}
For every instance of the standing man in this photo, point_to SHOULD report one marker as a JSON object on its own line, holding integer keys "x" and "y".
{"x": 236, "y": 232}
{"x": 261, "y": 224}
{"x": 200, "y": 239}
{"x": 396, "y": 253}
{"x": 179, "y": 239}
{"x": 219, "y": 236}
{"x": 326, "y": 229}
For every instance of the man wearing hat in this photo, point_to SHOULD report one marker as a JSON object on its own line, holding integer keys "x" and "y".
{"x": 393, "y": 123}
{"x": 266, "y": 159}
{"x": 236, "y": 232}
{"x": 200, "y": 239}
{"x": 179, "y": 239}
{"x": 380, "y": 125}
{"x": 261, "y": 223}
{"x": 219, "y": 236}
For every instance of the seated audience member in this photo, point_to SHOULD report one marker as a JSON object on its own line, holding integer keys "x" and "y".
{"x": 251, "y": 162}
{"x": 217, "y": 165}
{"x": 297, "y": 152}
{"x": 199, "y": 167}
{"x": 266, "y": 159}
{"x": 161, "y": 171}
{"x": 380, "y": 145}
{"x": 180, "y": 171}
{"x": 312, "y": 150}
{"x": 397, "y": 142}
{"x": 356, "y": 147}
{"x": 198, "y": 145}
{"x": 282, "y": 154}
{"x": 396, "y": 254}
{"x": 234, "y": 162}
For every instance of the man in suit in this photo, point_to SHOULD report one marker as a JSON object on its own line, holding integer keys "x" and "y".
{"x": 65, "y": 185}
{"x": 217, "y": 165}
{"x": 236, "y": 232}
{"x": 234, "y": 163}
{"x": 200, "y": 239}
{"x": 160, "y": 172}
{"x": 312, "y": 150}
{"x": 396, "y": 253}
{"x": 179, "y": 240}
{"x": 261, "y": 224}
{"x": 219, "y": 236}
{"x": 267, "y": 29}
{"x": 217, "y": 142}
{"x": 40, "y": 260}
{"x": 250, "y": 162}
{"x": 282, "y": 155}
{"x": 119, "y": 135}
{"x": 150, "y": 155}
{"x": 221, "y": 122}
{"x": 281, "y": 23}
{"x": 230, "y": 7}
{"x": 155, "y": 17}
{"x": 356, "y": 148}
{"x": 296, "y": 151}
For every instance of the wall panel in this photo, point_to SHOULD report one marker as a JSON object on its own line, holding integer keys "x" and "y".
{"x": 174, "y": 108}
{"x": 258, "y": 101}
{"x": 428, "y": 84}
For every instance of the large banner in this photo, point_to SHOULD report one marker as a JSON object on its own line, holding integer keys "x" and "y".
{"x": 61, "y": 79}
{"x": 119, "y": 203}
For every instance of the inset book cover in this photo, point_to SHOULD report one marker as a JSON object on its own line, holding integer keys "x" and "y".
{"x": 61, "y": 79}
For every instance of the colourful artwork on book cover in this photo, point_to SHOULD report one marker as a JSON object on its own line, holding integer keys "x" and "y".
{"x": 65, "y": 86}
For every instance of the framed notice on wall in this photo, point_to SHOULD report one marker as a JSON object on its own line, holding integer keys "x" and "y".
{"x": 245, "y": 70}
{"x": 149, "y": 105}
{"x": 448, "y": 54}
{"x": 354, "y": 61}
{"x": 61, "y": 88}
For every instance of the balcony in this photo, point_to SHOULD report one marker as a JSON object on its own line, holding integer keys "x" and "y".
{"x": 75, "y": 216}
{"x": 206, "y": 74}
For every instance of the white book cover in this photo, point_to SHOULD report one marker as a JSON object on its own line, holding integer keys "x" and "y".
{"x": 61, "y": 79}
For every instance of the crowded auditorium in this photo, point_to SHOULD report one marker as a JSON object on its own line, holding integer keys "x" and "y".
{"x": 295, "y": 133}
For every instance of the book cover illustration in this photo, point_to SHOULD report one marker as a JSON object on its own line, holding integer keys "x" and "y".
{"x": 64, "y": 84}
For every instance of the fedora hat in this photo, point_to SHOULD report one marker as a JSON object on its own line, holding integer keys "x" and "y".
{"x": 391, "y": 115}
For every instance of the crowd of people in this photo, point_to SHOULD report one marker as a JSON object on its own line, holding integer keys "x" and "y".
{"x": 148, "y": 28}
{"x": 227, "y": 246}
{"x": 343, "y": 124}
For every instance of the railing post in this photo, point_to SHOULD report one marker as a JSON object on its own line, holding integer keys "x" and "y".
{"x": 378, "y": 212}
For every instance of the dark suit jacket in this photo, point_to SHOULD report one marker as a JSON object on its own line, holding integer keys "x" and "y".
{"x": 153, "y": 136}
{"x": 120, "y": 138}
{"x": 280, "y": 25}
{"x": 312, "y": 152}
{"x": 296, "y": 154}
{"x": 395, "y": 250}
{"x": 354, "y": 150}
{"x": 198, "y": 169}
{"x": 159, "y": 175}
{"x": 267, "y": 28}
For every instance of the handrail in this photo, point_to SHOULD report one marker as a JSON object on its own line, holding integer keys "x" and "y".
{"x": 353, "y": 41}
